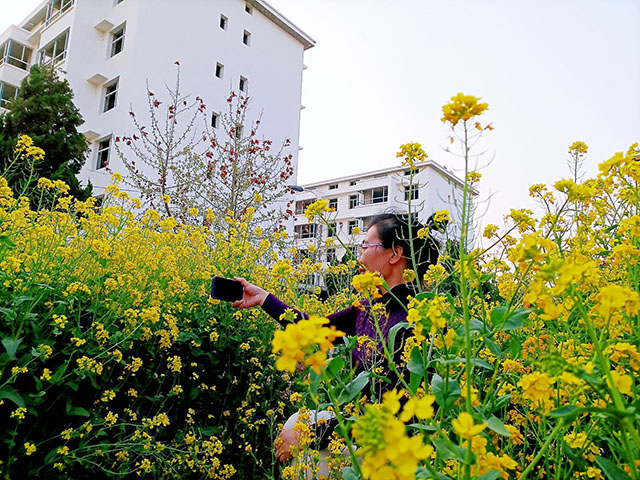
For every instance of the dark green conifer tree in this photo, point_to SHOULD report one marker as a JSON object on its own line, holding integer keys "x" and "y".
{"x": 45, "y": 111}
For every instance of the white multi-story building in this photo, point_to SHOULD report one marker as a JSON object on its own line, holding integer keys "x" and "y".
{"x": 109, "y": 49}
{"x": 357, "y": 198}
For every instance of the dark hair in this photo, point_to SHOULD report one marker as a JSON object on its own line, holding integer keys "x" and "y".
{"x": 393, "y": 230}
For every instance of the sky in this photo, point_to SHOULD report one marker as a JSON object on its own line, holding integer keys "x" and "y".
{"x": 552, "y": 72}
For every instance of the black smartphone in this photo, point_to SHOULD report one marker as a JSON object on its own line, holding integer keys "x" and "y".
{"x": 226, "y": 289}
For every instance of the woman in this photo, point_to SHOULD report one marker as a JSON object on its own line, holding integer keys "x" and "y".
{"x": 387, "y": 250}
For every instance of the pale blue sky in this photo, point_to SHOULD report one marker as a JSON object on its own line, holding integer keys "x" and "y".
{"x": 552, "y": 72}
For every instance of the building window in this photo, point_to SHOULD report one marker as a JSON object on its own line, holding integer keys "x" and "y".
{"x": 333, "y": 186}
{"x": 410, "y": 171}
{"x": 243, "y": 84}
{"x": 55, "y": 8}
{"x": 306, "y": 231}
{"x": 215, "y": 119}
{"x": 375, "y": 195}
{"x": 7, "y": 93}
{"x": 411, "y": 192}
{"x": 246, "y": 38}
{"x": 219, "y": 70}
{"x": 301, "y": 205}
{"x": 333, "y": 203}
{"x": 56, "y": 51}
{"x": 354, "y": 201}
{"x": 248, "y": 9}
{"x": 103, "y": 153}
{"x": 117, "y": 40}
{"x": 15, "y": 54}
{"x": 353, "y": 182}
{"x": 352, "y": 224}
{"x": 332, "y": 230}
{"x": 380, "y": 194}
{"x": 223, "y": 22}
{"x": 119, "y": 2}
{"x": 331, "y": 255}
{"x": 110, "y": 95}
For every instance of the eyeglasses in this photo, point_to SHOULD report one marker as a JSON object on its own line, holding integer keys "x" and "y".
{"x": 363, "y": 246}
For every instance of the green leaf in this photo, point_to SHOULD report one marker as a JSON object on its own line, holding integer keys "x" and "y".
{"x": 391, "y": 342}
{"x": 79, "y": 412}
{"x": 11, "y": 346}
{"x": 504, "y": 320}
{"x": 55, "y": 378}
{"x": 414, "y": 382}
{"x": 476, "y": 325}
{"x": 193, "y": 393}
{"x": 502, "y": 401}
{"x": 22, "y": 299}
{"x": 478, "y": 362}
{"x": 6, "y": 241}
{"x": 335, "y": 365}
{"x": 497, "y": 426}
{"x": 50, "y": 456}
{"x": 423, "y": 295}
{"x": 353, "y": 388}
{"x": 424, "y": 428}
{"x": 611, "y": 470}
{"x": 447, "y": 450}
{"x": 516, "y": 319}
{"x": 10, "y": 314}
{"x": 416, "y": 362}
{"x": 497, "y": 315}
{"x": 12, "y": 394}
{"x": 424, "y": 473}
{"x": 568, "y": 411}
{"x": 209, "y": 431}
{"x": 446, "y": 393}
{"x": 515, "y": 345}
{"x": 491, "y": 475}
{"x": 348, "y": 473}
{"x": 493, "y": 348}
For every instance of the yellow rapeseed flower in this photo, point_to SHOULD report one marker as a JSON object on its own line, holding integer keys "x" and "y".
{"x": 462, "y": 107}
{"x": 307, "y": 341}
{"x": 465, "y": 427}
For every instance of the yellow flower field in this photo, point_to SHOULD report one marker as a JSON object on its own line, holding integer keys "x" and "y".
{"x": 520, "y": 360}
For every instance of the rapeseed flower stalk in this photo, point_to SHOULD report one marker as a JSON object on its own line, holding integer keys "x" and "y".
{"x": 368, "y": 283}
{"x": 307, "y": 341}
{"x": 387, "y": 451}
{"x": 427, "y": 316}
{"x": 411, "y": 153}
{"x": 317, "y": 208}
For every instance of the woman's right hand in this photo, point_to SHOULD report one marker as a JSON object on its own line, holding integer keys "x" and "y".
{"x": 252, "y": 295}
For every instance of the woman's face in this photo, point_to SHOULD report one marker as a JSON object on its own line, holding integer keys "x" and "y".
{"x": 375, "y": 258}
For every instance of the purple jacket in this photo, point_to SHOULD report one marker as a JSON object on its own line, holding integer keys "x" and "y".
{"x": 356, "y": 321}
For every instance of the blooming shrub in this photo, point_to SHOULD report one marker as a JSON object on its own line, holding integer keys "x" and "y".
{"x": 521, "y": 359}
{"x": 115, "y": 361}
{"x": 530, "y": 362}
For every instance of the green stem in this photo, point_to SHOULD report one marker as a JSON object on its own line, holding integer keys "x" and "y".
{"x": 540, "y": 453}
{"x": 463, "y": 291}
{"x": 342, "y": 429}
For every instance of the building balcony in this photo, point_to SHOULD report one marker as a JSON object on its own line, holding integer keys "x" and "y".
{"x": 12, "y": 74}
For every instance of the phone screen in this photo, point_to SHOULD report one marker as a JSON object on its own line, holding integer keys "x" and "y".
{"x": 226, "y": 289}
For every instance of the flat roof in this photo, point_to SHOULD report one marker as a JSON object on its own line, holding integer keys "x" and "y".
{"x": 283, "y": 22}
{"x": 38, "y": 13}
{"x": 384, "y": 171}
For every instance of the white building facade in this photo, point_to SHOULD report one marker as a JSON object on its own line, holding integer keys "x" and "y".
{"x": 357, "y": 198}
{"x": 109, "y": 49}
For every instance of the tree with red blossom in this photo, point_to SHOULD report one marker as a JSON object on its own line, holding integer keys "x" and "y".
{"x": 184, "y": 170}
